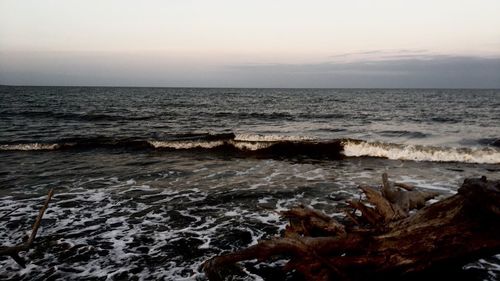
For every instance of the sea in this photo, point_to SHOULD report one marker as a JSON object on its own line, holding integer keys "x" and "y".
{"x": 151, "y": 182}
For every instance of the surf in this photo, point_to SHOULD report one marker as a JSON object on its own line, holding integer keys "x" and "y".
{"x": 275, "y": 146}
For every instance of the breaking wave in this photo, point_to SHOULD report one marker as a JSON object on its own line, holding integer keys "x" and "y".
{"x": 239, "y": 145}
{"x": 483, "y": 155}
{"x": 276, "y": 146}
{"x": 29, "y": 146}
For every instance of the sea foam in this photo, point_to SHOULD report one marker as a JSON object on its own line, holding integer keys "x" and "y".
{"x": 483, "y": 155}
{"x": 29, "y": 146}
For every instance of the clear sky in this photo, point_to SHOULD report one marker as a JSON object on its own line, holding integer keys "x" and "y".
{"x": 233, "y": 43}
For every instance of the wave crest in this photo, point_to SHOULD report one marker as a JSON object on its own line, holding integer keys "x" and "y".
{"x": 186, "y": 144}
{"x": 270, "y": 138}
{"x": 29, "y": 146}
{"x": 357, "y": 148}
{"x": 273, "y": 146}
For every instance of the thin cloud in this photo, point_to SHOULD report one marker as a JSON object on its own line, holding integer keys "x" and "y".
{"x": 382, "y": 53}
{"x": 420, "y": 71}
{"x": 397, "y": 70}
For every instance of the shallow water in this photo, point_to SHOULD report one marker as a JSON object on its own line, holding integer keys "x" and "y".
{"x": 159, "y": 215}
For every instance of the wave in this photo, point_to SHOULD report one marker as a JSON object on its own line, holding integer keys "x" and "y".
{"x": 29, "y": 146}
{"x": 78, "y": 144}
{"x": 483, "y": 155}
{"x": 270, "y": 138}
{"x": 274, "y": 146}
{"x": 259, "y": 145}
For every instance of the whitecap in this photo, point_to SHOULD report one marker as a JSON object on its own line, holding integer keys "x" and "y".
{"x": 29, "y": 146}
{"x": 484, "y": 155}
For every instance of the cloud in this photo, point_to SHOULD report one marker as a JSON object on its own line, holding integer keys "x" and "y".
{"x": 380, "y": 53}
{"x": 396, "y": 69}
{"x": 393, "y": 71}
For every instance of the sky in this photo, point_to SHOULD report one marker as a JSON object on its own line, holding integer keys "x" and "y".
{"x": 235, "y": 43}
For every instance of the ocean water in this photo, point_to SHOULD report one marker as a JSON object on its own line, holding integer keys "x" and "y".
{"x": 150, "y": 182}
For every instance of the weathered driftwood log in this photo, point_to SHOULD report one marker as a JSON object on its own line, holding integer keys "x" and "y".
{"x": 385, "y": 241}
{"x": 13, "y": 251}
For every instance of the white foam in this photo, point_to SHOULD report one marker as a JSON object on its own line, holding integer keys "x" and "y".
{"x": 249, "y": 145}
{"x": 434, "y": 185}
{"x": 269, "y": 218}
{"x": 231, "y": 214}
{"x": 316, "y": 174}
{"x": 421, "y": 153}
{"x": 109, "y": 218}
{"x": 269, "y": 138}
{"x": 29, "y": 146}
{"x": 264, "y": 200}
{"x": 250, "y": 142}
{"x": 186, "y": 144}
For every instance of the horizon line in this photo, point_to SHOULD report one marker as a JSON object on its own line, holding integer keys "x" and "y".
{"x": 239, "y": 87}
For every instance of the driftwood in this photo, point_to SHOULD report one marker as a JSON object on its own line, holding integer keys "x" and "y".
{"x": 13, "y": 251}
{"x": 385, "y": 241}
